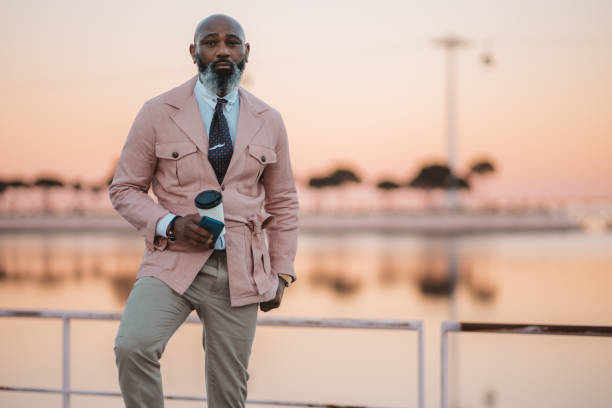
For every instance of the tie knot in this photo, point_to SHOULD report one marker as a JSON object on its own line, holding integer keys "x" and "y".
{"x": 220, "y": 103}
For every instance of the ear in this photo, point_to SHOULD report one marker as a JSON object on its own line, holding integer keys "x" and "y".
{"x": 247, "y": 51}
{"x": 192, "y": 50}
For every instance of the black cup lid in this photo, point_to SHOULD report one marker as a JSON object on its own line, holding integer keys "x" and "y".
{"x": 208, "y": 199}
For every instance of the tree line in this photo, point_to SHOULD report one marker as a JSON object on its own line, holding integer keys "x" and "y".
{"x": 429, "y": 177}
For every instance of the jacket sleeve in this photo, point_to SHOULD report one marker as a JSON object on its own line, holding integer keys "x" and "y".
{"x": 282, "y": 203}
{"x": 129, "y": 188}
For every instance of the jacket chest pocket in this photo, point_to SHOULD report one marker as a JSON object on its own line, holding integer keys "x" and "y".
{"x": 178, "y": 165}
{"x": 257, "y": 159}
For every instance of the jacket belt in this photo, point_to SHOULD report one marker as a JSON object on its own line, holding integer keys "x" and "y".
{"x": 261, "y": 263}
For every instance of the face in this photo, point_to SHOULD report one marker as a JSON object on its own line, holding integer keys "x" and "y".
{"x": 219, "y": 51}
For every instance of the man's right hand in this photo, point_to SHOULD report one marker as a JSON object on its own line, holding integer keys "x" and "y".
{"x": 187, "y": 230}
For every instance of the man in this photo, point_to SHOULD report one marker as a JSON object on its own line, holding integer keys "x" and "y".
{"x": 206, "y": 134}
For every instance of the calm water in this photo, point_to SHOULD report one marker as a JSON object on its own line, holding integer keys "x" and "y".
{"x": 531, "y": 278}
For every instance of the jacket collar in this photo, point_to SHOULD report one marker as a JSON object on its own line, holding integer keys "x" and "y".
{"x": 188, "y": 118}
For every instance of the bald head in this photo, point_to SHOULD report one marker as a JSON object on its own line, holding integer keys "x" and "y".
{"x": 212, "y": 23}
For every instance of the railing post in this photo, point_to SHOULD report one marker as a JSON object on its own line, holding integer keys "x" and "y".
{"x": 66, "y": 363}
{"x": 445, "y": 328}
{"x": 421, "y": 351}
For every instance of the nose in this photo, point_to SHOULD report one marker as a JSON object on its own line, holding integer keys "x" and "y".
{"x": 222, "y": 50}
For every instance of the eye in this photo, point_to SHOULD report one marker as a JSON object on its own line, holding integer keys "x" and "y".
{"x": 210, "y": 43}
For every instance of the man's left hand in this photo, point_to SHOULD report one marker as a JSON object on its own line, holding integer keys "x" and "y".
{"x": 274, "y": 303}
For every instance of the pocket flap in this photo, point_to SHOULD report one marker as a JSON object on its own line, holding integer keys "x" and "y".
{"x": 264, "y": 155}
{"x": 174, "y": 150}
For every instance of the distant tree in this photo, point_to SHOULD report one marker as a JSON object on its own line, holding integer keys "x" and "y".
{"x": 14, "y": 184}
{"x": 386, "y": 187}
{"x": 344, "y": 175}
{"x": 322, "y": 182}
{"x": 437, "y": 176}
{"x": 481, "y": 167}
{"x": 457, "y": 182}
{"x": 431, "y": 177}
{"x": 337, "y": 178}
{"x": 46, "y": 183}
{"x": 3, "y": 188}
{"x": 78, "y": 208}
{"x": 17, "y": 183}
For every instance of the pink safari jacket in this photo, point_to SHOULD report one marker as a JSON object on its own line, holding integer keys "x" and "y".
{"x": 167, "y": 148}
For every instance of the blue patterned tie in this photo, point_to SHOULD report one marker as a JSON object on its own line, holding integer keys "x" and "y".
{"x": 219, "y": 142}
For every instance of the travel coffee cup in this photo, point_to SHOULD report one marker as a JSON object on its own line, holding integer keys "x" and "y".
{"x": 210, "y": 204}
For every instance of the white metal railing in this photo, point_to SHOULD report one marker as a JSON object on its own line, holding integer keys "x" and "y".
{"x": 66, "y": 316}
{"x": 509, "y": 328}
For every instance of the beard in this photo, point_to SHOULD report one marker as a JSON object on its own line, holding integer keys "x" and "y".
{"x": 220, "y": 83}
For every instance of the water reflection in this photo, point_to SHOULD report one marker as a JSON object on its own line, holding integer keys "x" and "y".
{"x": 512, "y": 278}
{"x": 436, "y": 268}
{"x": 339, "y": 283}
{"x": 340, "y": 266}
{"x": 390, "y": 272}
{"x": 49, "y": 260}
{"x": 329, "y": 270}
{"x": 443, "y": 270}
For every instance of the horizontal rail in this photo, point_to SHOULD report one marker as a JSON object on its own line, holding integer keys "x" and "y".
{"x": 262, "y": 321}
{"x": 186, "y": 398}
{"x": 509, "y": 328}
{"x": 520, "y": 328}
{"x": 67, "y": 315}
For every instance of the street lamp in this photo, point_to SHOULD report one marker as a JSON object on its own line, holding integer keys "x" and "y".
{"x": 450, "y": 44}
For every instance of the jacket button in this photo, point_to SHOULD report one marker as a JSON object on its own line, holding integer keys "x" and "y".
{"x": 174, "y": 154}
{"x": 263, "y": 159}
{"x": 222, "y": 187}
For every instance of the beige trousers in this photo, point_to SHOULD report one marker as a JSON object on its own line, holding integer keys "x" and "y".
{"x": 154, "y": 312}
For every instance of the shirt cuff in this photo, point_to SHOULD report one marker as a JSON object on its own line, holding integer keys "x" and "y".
{"x": 220, "y": 244}
{"x": 162, "y": 225}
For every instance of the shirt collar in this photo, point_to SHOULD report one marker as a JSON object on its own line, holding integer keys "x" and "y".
{"x": 211, "y": 99}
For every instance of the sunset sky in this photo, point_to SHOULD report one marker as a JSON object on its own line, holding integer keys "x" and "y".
{"x": 358, "y": 83}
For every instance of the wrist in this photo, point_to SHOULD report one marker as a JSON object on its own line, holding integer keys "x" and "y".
{"x": 170, "y": 230}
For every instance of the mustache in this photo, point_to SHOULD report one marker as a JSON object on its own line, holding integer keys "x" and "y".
{"x": 224, "y": 61}
{"x": 202, "y": 67}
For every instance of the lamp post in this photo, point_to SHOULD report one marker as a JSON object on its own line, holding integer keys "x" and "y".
{"x": 450, "y": 43}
